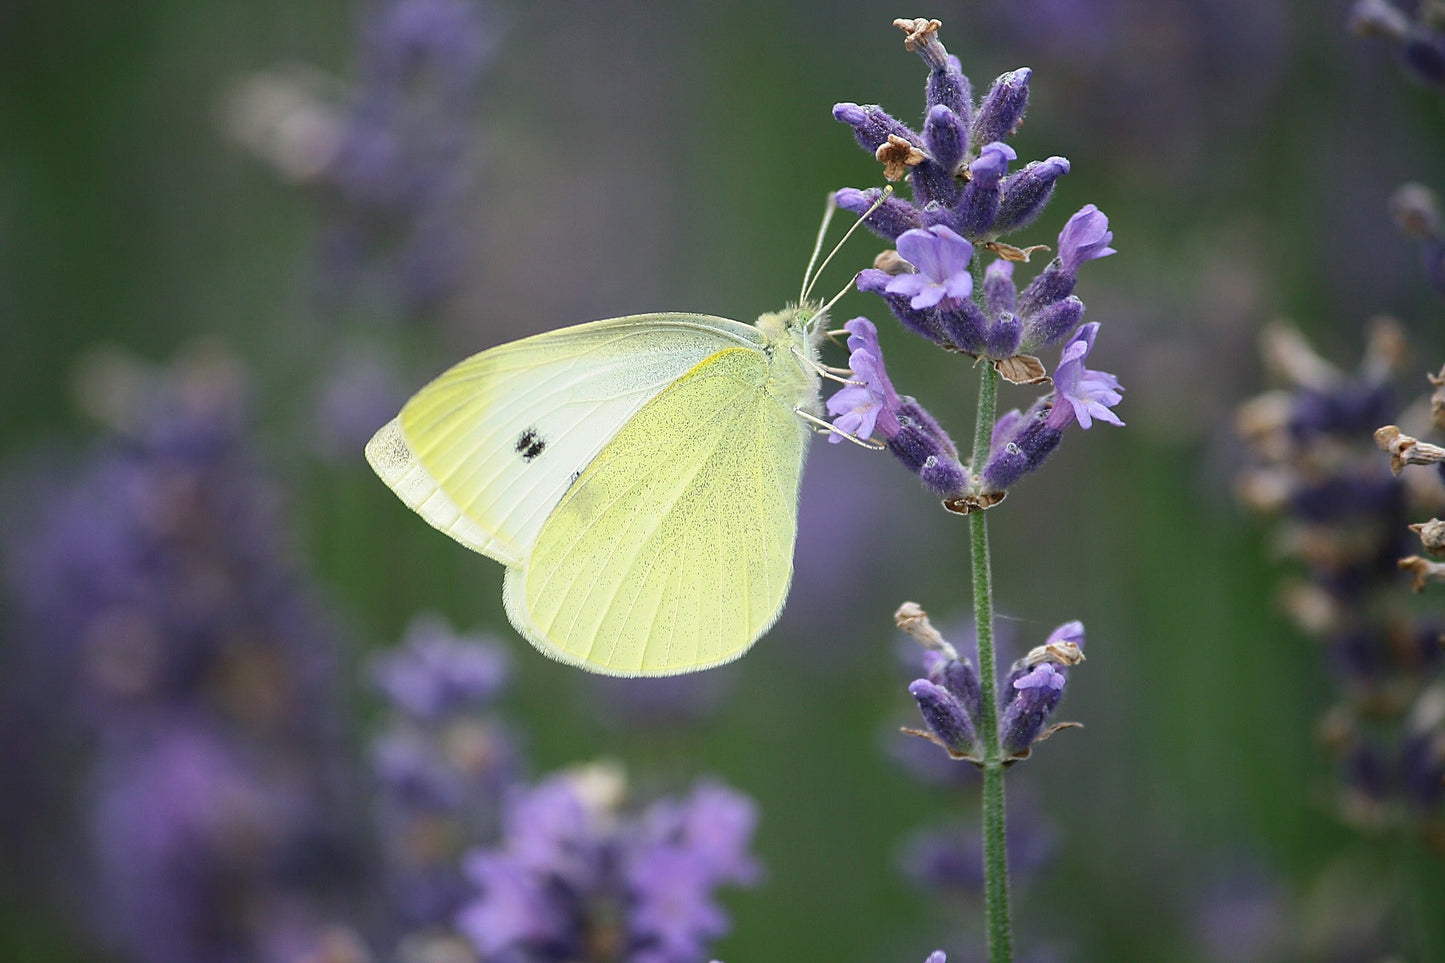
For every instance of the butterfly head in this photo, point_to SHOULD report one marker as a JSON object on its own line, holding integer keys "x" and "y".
{"x": 802, "y": 324}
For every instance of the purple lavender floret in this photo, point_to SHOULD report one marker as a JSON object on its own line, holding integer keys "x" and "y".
{"x": 1082, "y": 394}
{"x": 1002, "y": 109}
{"x": 978, "y": 206}
{"x": 941, "y": 258}
{"x": 1022, "y": 441}
{"x": 1085, "y": 237}
{"x": 871, "y": 407}
{"x": 576, "y": 878}
{"x": 1024, "y": 194}
{"x": 1033, "y": 698}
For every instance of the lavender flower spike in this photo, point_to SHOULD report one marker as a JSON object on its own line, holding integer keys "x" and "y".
{"x": 862, "y": 409}
{"x": 1082, "y": 394}
{"x": 942, "y": 258}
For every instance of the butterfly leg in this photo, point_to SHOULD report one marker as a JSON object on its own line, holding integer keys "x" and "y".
{"x": 830, "y": 429}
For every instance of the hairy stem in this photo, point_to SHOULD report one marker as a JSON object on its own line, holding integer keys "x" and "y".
{"x": 995, "y": 849}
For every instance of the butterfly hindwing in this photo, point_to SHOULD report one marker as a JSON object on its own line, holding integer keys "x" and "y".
{"x": 674, "y": 549}
{"x": 487, "y": 450}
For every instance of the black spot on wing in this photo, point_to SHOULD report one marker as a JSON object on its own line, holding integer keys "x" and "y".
{"x": 530, "y": 444}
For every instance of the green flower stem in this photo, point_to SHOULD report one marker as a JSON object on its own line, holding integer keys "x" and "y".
{"x": 995, "y": 849}
{"x": 995, "y": 846}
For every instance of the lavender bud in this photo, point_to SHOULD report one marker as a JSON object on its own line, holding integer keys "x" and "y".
{"x": 892, "y": 217}
{"x": 978, "y": 208}
{"x": 872, "y": 125}
{"x": 1004, "y": 336}
{"x": 948, "y": 87}
{"x": 945, "y": 135}
{"x": 925, "y": 323}
{"x": 945, "y": 716}
{"x": 999, "y": 293}
{"x": 960, "y": 678}
{"x": 1022, "y": 450}
{"x": 1026, "y": 192}
{"x": 964, "y": 324}
{"x": 1034, "y": 698}
{"x": 1003, "y": 107}
{"x": 927, "y": 451}
{"x": 1052, "y": 323}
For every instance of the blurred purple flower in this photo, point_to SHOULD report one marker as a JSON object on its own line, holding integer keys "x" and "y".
{"x": 441, "y": 764}
{"x": 439, "y": 672}
{"x": 1416, "y": 212}
{"x": 1419, "y": 41}
{"x": 949, "y": 861}
{"x": 188, "y": 668}
{"x": 575, "y": 878}
{"x": 358, "y": 392}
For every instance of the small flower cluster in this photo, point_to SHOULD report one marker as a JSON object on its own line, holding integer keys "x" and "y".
{"x": 1416, "y": 212}
{"x": 950, "y": 696}
{"x": 577, "y": 877}
{"x": 442, "y": 765}
{"x": 964, "y": 199}
{"x": 1419, "y": 41}
{"x": 1344, "y": 522}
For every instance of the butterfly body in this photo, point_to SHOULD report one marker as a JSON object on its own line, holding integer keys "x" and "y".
{"x": 637, "y": 476}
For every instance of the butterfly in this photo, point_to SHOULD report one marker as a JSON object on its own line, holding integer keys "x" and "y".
{"x": 638, "y": 477}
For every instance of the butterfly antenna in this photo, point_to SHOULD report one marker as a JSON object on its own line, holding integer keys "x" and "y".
{"x": 818, "y": 244}
{"x": 808, "y": 285}
{"x": 839, "y": 296}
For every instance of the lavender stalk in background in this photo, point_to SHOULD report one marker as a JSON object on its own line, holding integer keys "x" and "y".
{"x": 396, "y": 159}
{"x": 167, "y": 641}
{"x": 1342, "y": 519}
{"x": 442, "y": 764}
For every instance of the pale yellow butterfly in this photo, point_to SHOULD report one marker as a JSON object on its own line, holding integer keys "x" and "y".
{"x": 638, "y": 477}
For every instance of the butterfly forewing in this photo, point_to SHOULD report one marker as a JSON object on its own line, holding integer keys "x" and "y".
{"x": 674, "y": 549}
{"x": 487, "y": 450}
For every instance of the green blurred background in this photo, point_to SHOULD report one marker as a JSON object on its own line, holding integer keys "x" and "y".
{"x": 639, "y": 158}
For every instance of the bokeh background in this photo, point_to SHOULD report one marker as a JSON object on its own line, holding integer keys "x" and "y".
{"x": 161, "y": 198}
